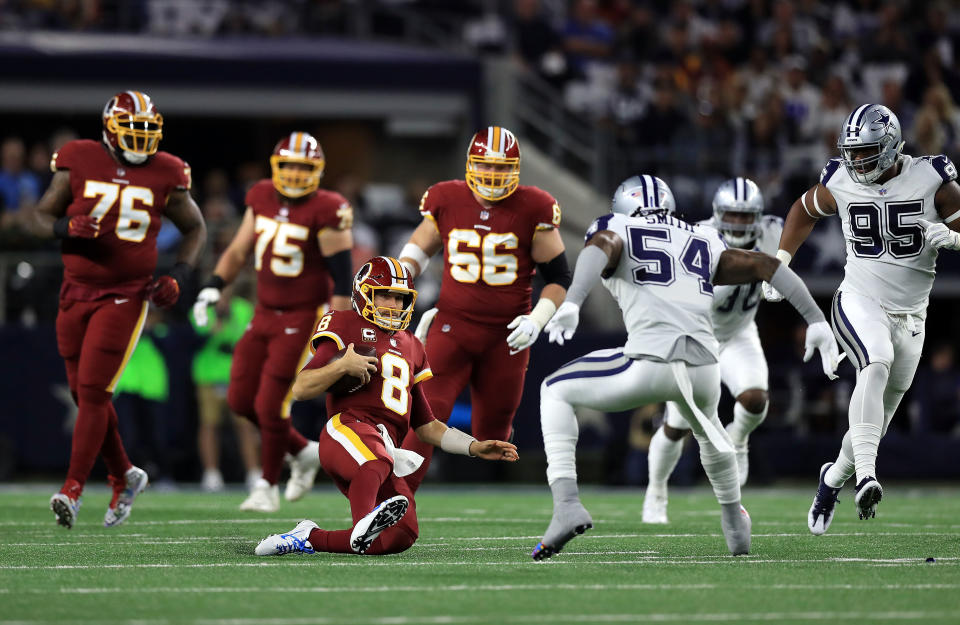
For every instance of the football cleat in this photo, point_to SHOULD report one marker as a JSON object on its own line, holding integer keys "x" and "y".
{"x": 736, "y": 530}
{"x": 124, "y": 492}
{"x": 868, "y": 495}
{"x": 263, "y": 497}
{"x": 294, "y": 541}
{"x": 65, "y": 509}
{"x": 824, "y": 504}
{"x": 212, "y": 481}
{"x": 569, "y": 520}
{"x": 303, "y": 471}
{"x": 655, "y": 506}
{"x": 386, "y": 514}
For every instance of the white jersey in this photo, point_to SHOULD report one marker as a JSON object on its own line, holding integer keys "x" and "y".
{"x": 735, "y": 305}
{"x": 663, "y": 285}
{"x": 887, "y": 259}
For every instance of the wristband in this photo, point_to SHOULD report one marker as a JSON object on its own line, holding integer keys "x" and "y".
{"x": 784, "y": 256}
{"x": 214, "y": 282}
{"x": 542, "y": 312}
{"x": 415, "y": 253}
{"x": 454, "y": 441}
{"x": 61, "y": 227}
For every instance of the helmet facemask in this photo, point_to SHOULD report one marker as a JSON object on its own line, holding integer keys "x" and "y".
{"x": 296, "y": 176}
{"x": 390, "y": 319}
{"x": 138, "y": 135}
{"x": 492, "y": 178}
{"x": 870, "y": 142}
{"x": 738, "y": 233}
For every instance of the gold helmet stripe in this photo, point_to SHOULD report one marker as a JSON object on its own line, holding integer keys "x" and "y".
{"x": 296, "y": 139}
{"x": 397, "y": 268}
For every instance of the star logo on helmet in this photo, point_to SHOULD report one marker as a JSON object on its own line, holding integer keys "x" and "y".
{"x": 882, "y": 121}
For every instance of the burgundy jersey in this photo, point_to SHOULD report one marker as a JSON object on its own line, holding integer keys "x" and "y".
{"x": 291, "y": 271}
{"x": 488, "y": 267}
{"x": 128, "y": 202}
{"x": 387, "y": 397}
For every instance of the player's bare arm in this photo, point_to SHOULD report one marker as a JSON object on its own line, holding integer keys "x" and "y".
{"x": 312, "y": 383}
{"x": 185, "y": 215}
{"x": 433, "y": 433}
{"x": 741, "y": 267}
{"x": 43, "y": 218}
{"x": 332, "y": 242}
{"x": 423, "y": 244}
{"x": 814, "y": 203}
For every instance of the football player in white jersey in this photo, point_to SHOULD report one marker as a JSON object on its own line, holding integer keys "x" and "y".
{"x": 662, "y": 272}
{"x": 738, "y": 215}
{"x": 896, "y": 211}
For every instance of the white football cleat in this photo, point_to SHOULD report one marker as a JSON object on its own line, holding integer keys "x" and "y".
{"x": 386, "y": 514}
{"x": 263, "y": 497}
{"x": 134, "y": 481}
{"x": 303, "y": 471}
{"x": 736, "y": 530}
{"x": 294, "y": 541}
{"x": 824, "y": 505}
{"x": 655, "y": 506}
{"x": 212, "y": 481}
{"x": 65, "y": 509}
{"x": 869, "y": 494}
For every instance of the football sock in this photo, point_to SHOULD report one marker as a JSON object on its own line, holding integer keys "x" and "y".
{"x": 721, "y": 470}
{"x": 843, "y": 467}
{"x": 295, "y": 441}
{"x": 744, "y": 422}
{"x": 560, "y": 432}
{"x": 866, "y": 416}
{"x": 336, "y": 541}
{"x": 114, "y": 455}
{"x": 93, "y": 418}
{"x": 662, "y": 458}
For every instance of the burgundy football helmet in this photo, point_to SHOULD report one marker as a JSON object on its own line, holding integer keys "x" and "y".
{"x": 493, "y": 163}
{"x": 297, "y": 164}
{"x": 132, "y": 126}
{"x": 383, "y": 273}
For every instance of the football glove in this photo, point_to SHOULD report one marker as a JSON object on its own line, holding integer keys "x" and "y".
{"x": 564, "y": 323}
{"x": 525, "y": 332}
{"x": 820, "y": 337}
{"x": 208, "y": 295}
{"x": 76, "y": 227}
{"x": 165, "y": 290}
{"x": 770, "y": 294}
{"x": 939, "y": 235}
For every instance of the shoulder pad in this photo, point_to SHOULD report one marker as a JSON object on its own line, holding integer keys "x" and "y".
{"x": 829, "y": 169}
{"x": 600, "y": 223}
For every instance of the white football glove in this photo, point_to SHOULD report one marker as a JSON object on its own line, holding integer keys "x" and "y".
{"x": 205, "y": 298}
{"x": 820, "y": 337}
{"x": 770, "y": 294}
{"x": 939, "y": 235}
{"x": 525, "y": 332}
{"x": 564, "y": 323}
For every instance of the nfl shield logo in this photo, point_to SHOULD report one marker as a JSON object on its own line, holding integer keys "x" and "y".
{"x": 393, "y": 342}
{"x": 484, "y": 215}
{"x": 121, "y": 171}
{"x": 882, "y": 191}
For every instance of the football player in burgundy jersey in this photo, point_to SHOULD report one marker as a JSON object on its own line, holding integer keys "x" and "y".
{"x": 357, "y": 446}
{"x": 106, "y": 202}
{"x": 300, "y": 238}
{"x": 493, "y": 232}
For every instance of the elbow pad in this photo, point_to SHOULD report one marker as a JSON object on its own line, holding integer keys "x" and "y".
{"x": 556, "y": 271}
{"x": 340, "y": 266}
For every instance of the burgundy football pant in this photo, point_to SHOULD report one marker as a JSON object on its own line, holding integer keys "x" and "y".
{"x": 265, "y": 362}
{"x": 461, "y": 353}
{"x": 353, "y": 455}
{"x": 95, "y": 340}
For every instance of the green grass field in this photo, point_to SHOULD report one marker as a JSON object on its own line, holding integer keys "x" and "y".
{"x": 188, "y": 558}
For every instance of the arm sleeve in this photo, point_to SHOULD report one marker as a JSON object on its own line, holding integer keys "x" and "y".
{"x": 590, "y": 264}
{"x": 420, "y": 411}
{"x": 340, "y": 267}
{"x": 556, "y": 270}
{"x": 795, "y": 292}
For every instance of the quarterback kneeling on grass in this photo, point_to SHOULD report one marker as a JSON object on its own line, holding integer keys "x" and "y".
{"x": 370, "y": 413}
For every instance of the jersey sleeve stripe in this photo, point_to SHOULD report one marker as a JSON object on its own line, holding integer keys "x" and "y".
{"x": 349, "y": 440}
{"x": 426, "y": 374}
{"x": 330, "y": 335}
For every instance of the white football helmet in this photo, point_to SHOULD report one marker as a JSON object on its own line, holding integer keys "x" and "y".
{"x": 643, "y": 195}
{"x": 874, "y": 127}
{"x": 742, "y": 196}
